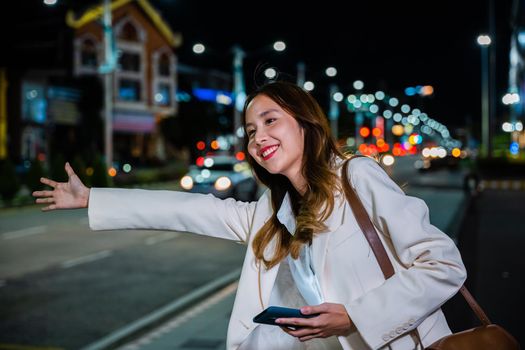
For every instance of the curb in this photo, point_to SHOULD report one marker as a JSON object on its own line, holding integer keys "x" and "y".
{"x": 125, "y": 333}
{"x": 511, "y": 185}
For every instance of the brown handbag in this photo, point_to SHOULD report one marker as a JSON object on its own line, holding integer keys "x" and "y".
{"x": 488, "y": 336}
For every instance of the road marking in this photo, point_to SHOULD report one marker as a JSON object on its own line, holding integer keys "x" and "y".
{"x": 181, "y": 319}
{"x": 172, "y": 308}
{"x": 24, "y": 232}
{"x": 161, "y": 238}
{"x": 86, "y": 259}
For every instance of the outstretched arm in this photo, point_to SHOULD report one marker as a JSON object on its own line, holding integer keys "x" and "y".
{"x": 65, "y": 195}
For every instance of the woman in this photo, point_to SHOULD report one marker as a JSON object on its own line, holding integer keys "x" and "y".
{"x": 305, "y": 248}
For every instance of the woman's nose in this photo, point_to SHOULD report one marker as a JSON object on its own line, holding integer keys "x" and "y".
{"x": 260, "y": 137}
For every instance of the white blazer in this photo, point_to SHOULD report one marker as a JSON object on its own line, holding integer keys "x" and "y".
{"x": 428, "y": 265}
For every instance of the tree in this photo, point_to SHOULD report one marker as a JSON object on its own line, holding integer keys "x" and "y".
{"x": 35, "y": 172}
{"x": 9, "y": 184}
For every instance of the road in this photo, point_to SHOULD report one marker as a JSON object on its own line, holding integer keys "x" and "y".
{"x": 63, "y": 286}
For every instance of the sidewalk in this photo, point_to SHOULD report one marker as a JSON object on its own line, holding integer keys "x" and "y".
{"x": 492, "y": 243}
{"x": 204, "y": 325}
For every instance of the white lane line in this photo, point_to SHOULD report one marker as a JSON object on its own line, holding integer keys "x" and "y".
{"x": 30, "y": 231}
{"x": 166, "y": 236}
{"x": 164, "y": 312}
{"x": 86, "y": 259}
{"x": 182, "y": 319}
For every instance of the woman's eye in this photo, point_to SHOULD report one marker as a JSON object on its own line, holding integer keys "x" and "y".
{"x": 270, "y": 120}
{"x": 250, "y": 133}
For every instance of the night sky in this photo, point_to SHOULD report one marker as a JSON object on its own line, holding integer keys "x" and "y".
{"x": 389, "y": 45}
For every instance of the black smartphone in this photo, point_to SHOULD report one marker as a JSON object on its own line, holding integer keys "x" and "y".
{"x": 272, "y": 313}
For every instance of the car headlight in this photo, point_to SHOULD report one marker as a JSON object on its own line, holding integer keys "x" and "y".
{"x": 222, "y": 183}
{"x": 186, "y": 182}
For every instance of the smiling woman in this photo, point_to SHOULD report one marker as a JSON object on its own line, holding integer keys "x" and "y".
{"x": 304, "y": 246}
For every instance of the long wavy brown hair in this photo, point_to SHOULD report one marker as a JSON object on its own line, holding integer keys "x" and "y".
{"x": 318, "y": 168}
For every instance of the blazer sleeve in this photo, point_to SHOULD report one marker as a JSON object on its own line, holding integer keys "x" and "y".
{"x": 431, "y": 269}
{"x": 113, "y": 208}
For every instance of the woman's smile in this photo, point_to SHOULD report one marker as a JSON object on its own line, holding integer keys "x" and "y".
{"x": 268, "y": 152}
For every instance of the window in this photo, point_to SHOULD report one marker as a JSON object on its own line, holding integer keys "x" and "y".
{"x": 164, "y": 66}
{"x": 34, "y": 102}
{"x": 129, "y": 90}
{"x": 129, "y": 32}
{"x": 129, "y": 61}
{"x": 164, "y": 79}
{"x": 163, "y": 95}
{"x": 88, "y": 54}
{"x": 130, "y": 76}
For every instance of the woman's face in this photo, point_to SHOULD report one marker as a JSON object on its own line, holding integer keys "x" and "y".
{"x": 275, "y": 138}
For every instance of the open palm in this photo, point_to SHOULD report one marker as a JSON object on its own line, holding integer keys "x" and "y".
{"x": 65, "y": 195}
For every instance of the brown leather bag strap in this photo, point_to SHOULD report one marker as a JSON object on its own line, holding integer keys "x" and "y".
{"x": 475, "y": 306}
{"x": 372, "y": 237}
{"x": 366, "y": 225}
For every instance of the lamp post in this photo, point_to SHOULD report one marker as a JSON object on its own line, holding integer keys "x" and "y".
{"x": 107, "y": 69}
{"x": 484, "y": 42}
{"x": 301, "y": 74}
{"x": 358, "y": 85}
{"x": 333, "y": 111}
{"x": 239, "y": 92}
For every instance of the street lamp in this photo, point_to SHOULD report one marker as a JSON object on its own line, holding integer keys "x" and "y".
{"x": 107, "y": 69}
{"x": 358, "y": 85}
{"x": 484, "y": 41}
{"x": 333, "y": 112}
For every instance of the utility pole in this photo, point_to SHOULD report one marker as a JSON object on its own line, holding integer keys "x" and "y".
{"x": 333, "y": 113}
{"x": 492, "y": 78}
{"x": 239, "y": 95}
{"x": 300, "y": 74}
{"x": 3, "y": 114}
{"x": 107, "y": 69}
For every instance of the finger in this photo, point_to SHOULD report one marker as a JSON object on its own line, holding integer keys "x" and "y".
{"x": 48, "y": 182}
{"x": 69, "y": 170}
{"x": 43, "y": 194}
{"x": 299, "y": 322}
{"x": 310, "y": 337}
{"x": 45, "y": 200}
{"x": 314, "y": 309}
{"x": 302, "y": 332}
{"x": 49, "y": 207}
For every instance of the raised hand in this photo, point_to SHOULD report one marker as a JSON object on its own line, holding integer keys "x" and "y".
{"x": 65, "y": 195}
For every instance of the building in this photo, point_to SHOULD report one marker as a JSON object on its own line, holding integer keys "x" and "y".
{"x": 55, "y": 100}
{"x": 144, "y": 82}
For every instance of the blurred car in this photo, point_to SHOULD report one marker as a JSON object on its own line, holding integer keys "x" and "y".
{"x": 430, "y": 164}
{"x": 223, "y": 176}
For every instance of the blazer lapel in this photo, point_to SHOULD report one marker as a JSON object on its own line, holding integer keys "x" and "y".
{"x": 320, "y": 241}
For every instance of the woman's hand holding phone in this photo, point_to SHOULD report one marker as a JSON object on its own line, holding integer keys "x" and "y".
{"x": 329, "y": 320}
